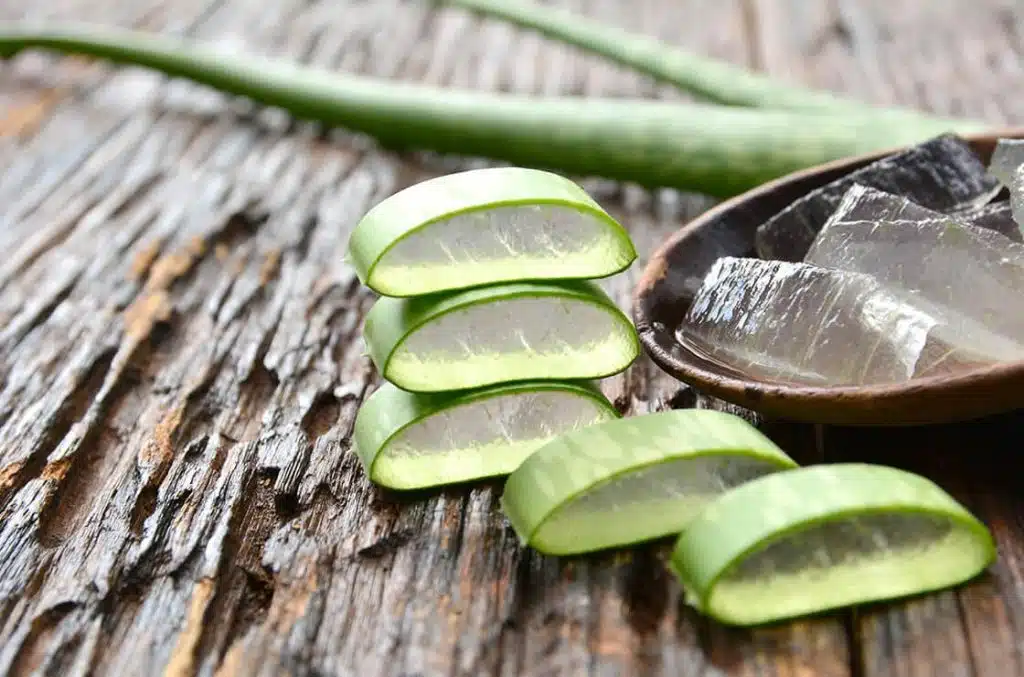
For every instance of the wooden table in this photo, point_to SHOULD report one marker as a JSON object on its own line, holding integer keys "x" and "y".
{"x": 180, "y": 366}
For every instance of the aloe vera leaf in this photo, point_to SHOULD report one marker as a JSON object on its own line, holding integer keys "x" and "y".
{"x": 568, "y": 330}
{"x": 633, "y": 479}
{"x": 413, "y": 440}
{"x": 825, "y": 537}
{"x": 717, "y": 150}
{"x": 485, "y": 226}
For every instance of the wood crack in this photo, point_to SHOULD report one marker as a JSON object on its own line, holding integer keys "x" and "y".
{"x": 79, "y": 463}
{"x": 32, "y": 654}
{"x": 246, "y": 586}
{"x": 72, "y": 409}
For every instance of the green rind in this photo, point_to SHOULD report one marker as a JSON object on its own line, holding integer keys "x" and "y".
{"x": 390, "y": 410}
{"x": 571, "y": 465}
{"x": 428, "y": 202}
{"x": 749, "y": 517}
{"x": 392, "y": 319}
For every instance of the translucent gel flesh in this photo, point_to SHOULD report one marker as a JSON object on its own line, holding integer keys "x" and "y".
{"x": 992, "y": 219}
{"x": 943, "y": 174}
{"x": 777, "y": 320}
{"x": 847, "y": 561}
{"x": 1007, "y": 165}
{"x": 503, "y": 243}
{"x": 971, "y": 280}
{"x": 654, "y": 501}
{"x": 1007, "y": 158}
{"x": 514, "y": 339}
{"x": 483, "y": 438}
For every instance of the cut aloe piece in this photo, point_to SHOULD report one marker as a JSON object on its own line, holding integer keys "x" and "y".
{"x": 411, "y": 441}
{"x": 485, "y": 226}
{"x": 633, "y": 479}
{"x": 825, "y": 537}
{"x": 502, "y": 333}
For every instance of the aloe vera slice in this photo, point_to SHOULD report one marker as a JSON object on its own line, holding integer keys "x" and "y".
{"x": 501, "y": 333}
{"x": 633, "y": 479}
{"x": 486, "y": 226}
{"x": 824, "y": 537}
{"x": 411, "y": 441}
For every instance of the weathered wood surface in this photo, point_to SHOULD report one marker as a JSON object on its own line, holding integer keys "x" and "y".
{"x": 180, "y": 369}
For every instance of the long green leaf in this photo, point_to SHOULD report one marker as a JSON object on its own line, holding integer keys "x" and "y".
{"x": 716, "y": 150}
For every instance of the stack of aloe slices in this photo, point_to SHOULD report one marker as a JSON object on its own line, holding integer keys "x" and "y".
{"x": 490, "y": 330}
{"x": 490, "y": 350}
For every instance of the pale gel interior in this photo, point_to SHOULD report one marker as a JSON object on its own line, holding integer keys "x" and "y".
{"x": 801, "y": 323}
{"x": 483, "y": 438}
{"x": 1007, "y": 166}
{"x": 796, "y": 322}
{"x": 513, "y": 339}
{"x": 503, "y": 243}
{"x": 969, "y": 279}
{"x": 844, "y": 562}
{"x": 654, "y": 501}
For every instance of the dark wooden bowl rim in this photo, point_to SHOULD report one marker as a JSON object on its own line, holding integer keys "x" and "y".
{"x": 980, "y": 392}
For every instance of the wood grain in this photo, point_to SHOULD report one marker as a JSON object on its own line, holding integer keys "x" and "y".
{"x": 180, "y": 366}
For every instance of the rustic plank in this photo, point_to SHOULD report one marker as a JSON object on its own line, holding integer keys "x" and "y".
{"x": 180, "y": 372}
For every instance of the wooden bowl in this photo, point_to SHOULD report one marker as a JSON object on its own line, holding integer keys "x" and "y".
{"x": 676, "y": 269}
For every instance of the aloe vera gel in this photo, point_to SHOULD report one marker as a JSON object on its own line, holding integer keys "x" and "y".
{"x": 489, "y": 331}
